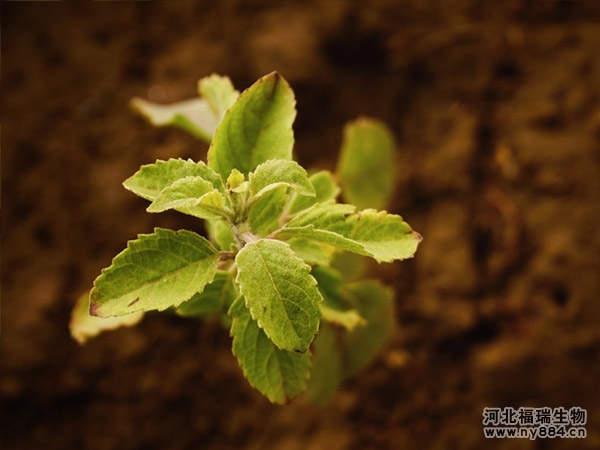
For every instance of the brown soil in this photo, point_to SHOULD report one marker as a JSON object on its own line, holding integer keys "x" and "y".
{"x": 495, "y": 106}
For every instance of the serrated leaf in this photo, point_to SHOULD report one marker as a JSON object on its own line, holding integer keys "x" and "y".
{"x": 325, "y": 189}
{"x": 216, "y": 298}
{"x": 385, "y": 237}
{"x": 324, "y": 216}
{"x": 279, "y": 374}
{"x": 218, "y": 92}
{"x": 83, "y": 326}
{"x": 191, "y": 195}
{"x": 194, "y": 116}
{"x": 264, "y": 213}
{"x": 151, "y": 179}
{"x": 155, "y": 272}
{"x": 316, "y": 223}
{"x": 367, "y": 164}
{"x": 258, "y": 127}
{"x": 278, "y": 172}
{"x": 280, "y": 293}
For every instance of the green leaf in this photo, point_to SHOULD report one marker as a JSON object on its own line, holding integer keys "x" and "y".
{"x": 324, "y": 216}
{"x": 340, "y": 353}
{"x": 385, "y": 237}
{"x": 280, "y": 293}
{"x": 83, "y": 326}
{"x": 335, "y": 309}
{"x": 198, "y": 116}
{"x": 258, "y": 127}
{"x": 349, "y": 319}
{"x": 316, "y": 224}
{"x": 214, "y": 299}
{"x": 375, "y": 302}
{"x": 311, "y": 252}
{"x": 193, "y": 116}
{"x": 219, "y": 93}
{"x": 325, "y": 189}
{"x": 327, "y": 371}
{"x": 221, "y": 234}
{"x": 278, "y": 172}
{"x": 235, "y": 180}
{"x": 352, "y": 265}
{"x": 367, "y": 164}
{"x": 191, "y": 195}
{"x": 279, "y": 374}
{"x": 155, "y": 272}
{"x": 151, "y": 179}
{"x": 264, "y": 213}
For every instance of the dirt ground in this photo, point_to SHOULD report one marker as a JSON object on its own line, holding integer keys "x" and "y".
{"x": 496, "y": 109}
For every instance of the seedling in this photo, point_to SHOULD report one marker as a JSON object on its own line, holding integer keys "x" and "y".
{"x": 271, "y": 265}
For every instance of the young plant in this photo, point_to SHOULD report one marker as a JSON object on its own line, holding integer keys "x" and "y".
{"x": 271, "y": 265}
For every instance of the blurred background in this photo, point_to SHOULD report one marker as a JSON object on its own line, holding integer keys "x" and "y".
{"x": 496, "y": 110}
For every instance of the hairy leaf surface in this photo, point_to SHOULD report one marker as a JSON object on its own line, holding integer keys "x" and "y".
{"x": 155, "y": 272}
{"x": 280, "y": 293}
{"x": 258, "y": 127}
{"x": 279, "y": 374}
{"x": 191, "y": 195}
{"x": 385, "y": 237}
{"x": 151, "y": 179}
{"x": 278, "y": 172}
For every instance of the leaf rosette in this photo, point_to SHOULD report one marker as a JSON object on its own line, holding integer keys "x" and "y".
{"x": 272, "y": 230}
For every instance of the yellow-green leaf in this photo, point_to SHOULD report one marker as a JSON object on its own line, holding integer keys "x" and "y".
{"x": 216, "y": 298}
{"x": 191, "y": 195}
{"x": 83, "y": 326}
{"x": 383, "y": 236}
{"x": 278, "y": 172}
{"x": 325, "y": 189}
{"x": 155, "y": 272}
{"x": 279, "y": 374}
{"x": 258, "y": 127}
{"x": 218, "y": 92}
{"x": 197, "y": 116}
{"x": 151, "y": 179}
{"x": 280, "y": 293}
{"x": 193, "y": 116}
{"x": 367, "y": 164}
